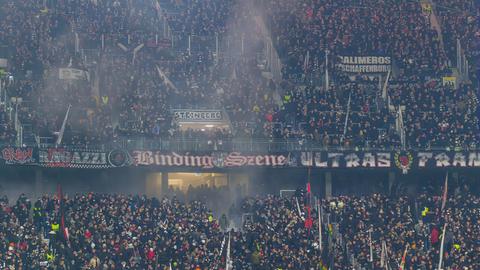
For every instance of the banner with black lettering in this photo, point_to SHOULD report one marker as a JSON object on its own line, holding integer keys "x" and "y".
{"x": 364, "y": 64}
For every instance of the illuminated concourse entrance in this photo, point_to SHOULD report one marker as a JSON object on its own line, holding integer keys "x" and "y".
{"x": 184, "y": 181}
{"x": 159, "y": 184}
{"x": 218, "y": 190}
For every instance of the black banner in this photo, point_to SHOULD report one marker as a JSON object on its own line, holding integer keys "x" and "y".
{"x": 18, "y": 155}
{"x": 403, "y": 160}
{"x": 97, "y": 159}
{"x": 365, "y": 64}
{"x": 88, "y": 159}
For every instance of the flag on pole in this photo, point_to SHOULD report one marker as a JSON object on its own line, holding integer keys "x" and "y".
{"x": 370, "y": 243}
{"x": 306, "y": 61}
{"x": 404, "y": 258}
{"x": 298, "y": 209}
{"x": 326, "y": 71}
{"x": 228, "y": 263}
{"x": 61, "y": 212}
{"x": 62, "y": 129}
{"x": 222, "y": 245}
{"x": 382, "y": 255}
{"x": 445, "y": 193}
{"x": 308, "y": 220}
{"x": 440, "y": 262}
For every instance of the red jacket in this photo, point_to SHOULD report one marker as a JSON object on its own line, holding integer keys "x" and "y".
{"x": 150, "y": 254}
{"x": 434, "y": 236}
{"x": 88, "y": 234}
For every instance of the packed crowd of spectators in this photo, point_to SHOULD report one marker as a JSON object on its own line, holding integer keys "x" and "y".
{"x": 130, "y": 93}
{"x": 401, "y": 226}
{"x": 349, "y": 116}
{"x": 7, "y": 131}
{"x": 395, "y": 28}
{"x": 203, "y": 18}
{"x": 448, "y": 119}
{"x": 127, "y": 233}
{"x": 458, "y": 21}
{"x": 112, "y": 231}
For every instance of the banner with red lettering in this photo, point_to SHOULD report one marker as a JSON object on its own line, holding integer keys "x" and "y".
{"x": 12, "y": 155}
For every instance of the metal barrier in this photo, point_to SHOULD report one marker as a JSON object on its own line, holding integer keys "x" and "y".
{"x": 225, "y": 144}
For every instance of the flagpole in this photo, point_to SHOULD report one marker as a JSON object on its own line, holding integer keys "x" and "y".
{"x": 319, "y": 226}
{"x": 308, "y": 204}
{"x": 227, "y": 261}
{"x": 370, "y": 242}
{"x": 441, "y": 247}
{"x": 382, "y": 255}
{"x": 298, "y": 209}
{"x": 326, "y": 70}
{"x": 445, "y": 193}
{"x": 221, "y": 246}
{"x": 404, "y": 257}
{"x": 306, "y": 60}
{"x": 62, "y": 129}
{"x": 387, "y": 263}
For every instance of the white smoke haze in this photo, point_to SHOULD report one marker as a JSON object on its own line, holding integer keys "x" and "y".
{"x": 114, "y": 76}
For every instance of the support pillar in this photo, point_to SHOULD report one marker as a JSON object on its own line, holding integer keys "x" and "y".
{"x": 164, "y": 183}
{"x": 455, "y": 177}
{"x": 391, "y": 181}
{"x": 104, "y": 179}
{"x": 38, "y": 183}
{"x": 328, "y": 185}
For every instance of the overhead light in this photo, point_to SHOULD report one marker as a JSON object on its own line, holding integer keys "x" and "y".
{"x": 209, "y": 126}
{"x": 202, "y": 129}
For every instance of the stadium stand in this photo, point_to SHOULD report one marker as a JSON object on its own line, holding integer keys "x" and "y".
{"x": 68, "y": 36}
{"x": 98, "y": 85}
{"x": 143, "y": 100}
{"x": 153, "y": 234}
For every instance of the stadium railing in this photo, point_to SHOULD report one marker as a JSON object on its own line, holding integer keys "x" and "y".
{"x": 230, "y": 145}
